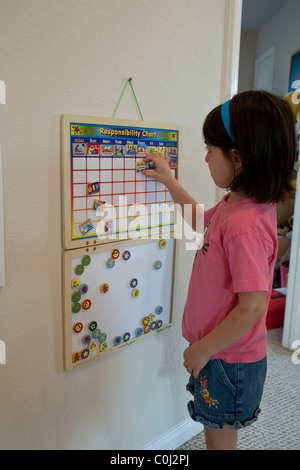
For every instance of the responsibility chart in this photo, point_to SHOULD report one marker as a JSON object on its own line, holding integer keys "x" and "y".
{"x": 105, "y": 194}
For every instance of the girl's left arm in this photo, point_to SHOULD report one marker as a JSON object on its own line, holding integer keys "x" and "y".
{"x": 249, "y": 310}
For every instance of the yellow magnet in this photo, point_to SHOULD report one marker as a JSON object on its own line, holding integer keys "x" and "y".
{"x": 135, "y": 293}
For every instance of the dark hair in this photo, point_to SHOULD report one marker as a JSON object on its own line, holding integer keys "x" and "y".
{"x": 263, "y": 131}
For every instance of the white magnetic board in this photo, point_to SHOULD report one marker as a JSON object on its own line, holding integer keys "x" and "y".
{"x": 100, "y": 293}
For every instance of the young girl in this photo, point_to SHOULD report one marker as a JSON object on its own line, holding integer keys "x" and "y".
{"x": 251, "y": 149}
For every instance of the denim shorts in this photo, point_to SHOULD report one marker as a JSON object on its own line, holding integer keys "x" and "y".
{"x": 227, "y": 395}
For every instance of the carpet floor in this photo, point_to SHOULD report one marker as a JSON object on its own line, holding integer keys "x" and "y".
{"x": 277, "y": 427}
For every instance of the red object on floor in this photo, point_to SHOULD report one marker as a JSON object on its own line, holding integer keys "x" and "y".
{"x": 275, "y": 315}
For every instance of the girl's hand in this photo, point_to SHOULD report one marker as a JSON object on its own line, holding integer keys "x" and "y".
{"x": 162, "y": 172}
{"x": 195, "y": 359}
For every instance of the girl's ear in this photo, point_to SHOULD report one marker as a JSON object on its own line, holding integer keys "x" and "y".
{"x": 236, "y": 159}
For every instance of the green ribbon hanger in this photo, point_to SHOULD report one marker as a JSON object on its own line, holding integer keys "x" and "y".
{"x": 137, "y": 103}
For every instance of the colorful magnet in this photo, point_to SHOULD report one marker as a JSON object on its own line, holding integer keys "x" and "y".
{"x": 86, "y": 339}
{"x": 102, "y": 337}
{"x": 157, "y": 264}
{"x": 115, "y": 254}
{"x": 86, "y": 259}
{"x": 104, "y": 288}
{"x": 126, "y": 337}
{"x": 159, "y": 310}
{"x": 76, "y": 296}
{"x": 162, "y": 244}
{"x": 140, "y": 166}
{"x": 159, "y": 323}
{"x": 93, "y": 188}
{"x": 75, "y": 284}
{"x": 96, "y": 333}
{"x": 133, "y": 282}
{"x": 135, "y": 293}
{"x": 92, "y": 346}
{"x": 98, "y": 204}
{"x": 151, "y": 317}
{"x": 77, "y": 328}
{"x": 86, "y": 226}
{"x": 76, "y": 307}
{"x": 84, "y": 288}
{"x": 110, "y": 263}
{"x": 126, "y": 255}
{"x": 85, "y": 353}
{"x": 139, "y": 331}
{"x": 76, "y": 357}
{"x": 86, "y": 304}
{"x": 103, "y": 346}
{"x": 145, "y": 320}
{"x": 153, "y": 325}
{"x": 117, "y": 340}
{"x": 79, "y": 269}
{"x": 147, "y": 329}
{"x": 93, "y": 325}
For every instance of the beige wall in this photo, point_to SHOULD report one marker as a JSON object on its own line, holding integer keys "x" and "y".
{"x": 74, "y": 56}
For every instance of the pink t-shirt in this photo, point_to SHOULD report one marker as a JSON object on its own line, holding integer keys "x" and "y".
{"x": 238, "y": 254}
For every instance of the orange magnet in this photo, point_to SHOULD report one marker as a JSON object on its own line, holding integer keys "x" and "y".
{"x": 104, "y": 288}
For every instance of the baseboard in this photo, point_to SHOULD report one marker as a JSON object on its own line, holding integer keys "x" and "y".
{"x": 176, "y": 437}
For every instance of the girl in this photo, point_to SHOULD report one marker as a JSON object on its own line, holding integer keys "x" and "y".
{"x": 251, "y": 149}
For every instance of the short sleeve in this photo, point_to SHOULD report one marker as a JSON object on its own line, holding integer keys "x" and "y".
{"x": 249, "y": 257}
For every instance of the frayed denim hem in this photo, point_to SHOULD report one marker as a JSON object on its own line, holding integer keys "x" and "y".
{"x": 236, "y": 425}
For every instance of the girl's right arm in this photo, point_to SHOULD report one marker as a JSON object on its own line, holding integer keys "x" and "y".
{"x": 190, "y": 209}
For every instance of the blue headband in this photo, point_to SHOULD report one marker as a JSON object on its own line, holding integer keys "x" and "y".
{"x": 225, "y": 114}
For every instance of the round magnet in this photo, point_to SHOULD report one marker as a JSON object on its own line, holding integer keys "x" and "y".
{"x": 85, "y": 353}
{"x": 102, "y": 337}
{"x": 147, "y": 329}
{"x": 104, "y": 288}
{"x": 86, "y": 259}
{"x": 153, "y": 325}
{"x": 103, "y": 346}
{"x": 79, "y": 269}
{"x": 159, "y": 323}
{"x": 110, "y": 263}
{"x": 86, "y": 339}
{"x": 76, "y": 296}
{"x": 93, "y": 325}
{"x": 162, "y": 244}
{"x": 84, "y": 288}
{"x": 86, "y": 304}
{"x": 117, "y": 340}
{"x": 157, "y": 264}
{"x": 139, "y": 331}
{"x": 126, "y": 337}
{"x": 159, "y": 310}
{"x": 145, "y": 320}
{"x": 135, "y": 293}
{"x": 126, "y": 255}
{"x": 151, "y": 317}
{"x": 76, "y": 307}
{"x": 76, "y": 357}
{"x": 96, "y": 333}
{"x": 77, "y": 328}
{"x": 75, "y": 284}
{"x": 115, "y": 254}
{"x": 133, "y": 282}
{"x": 92, "y": 346}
